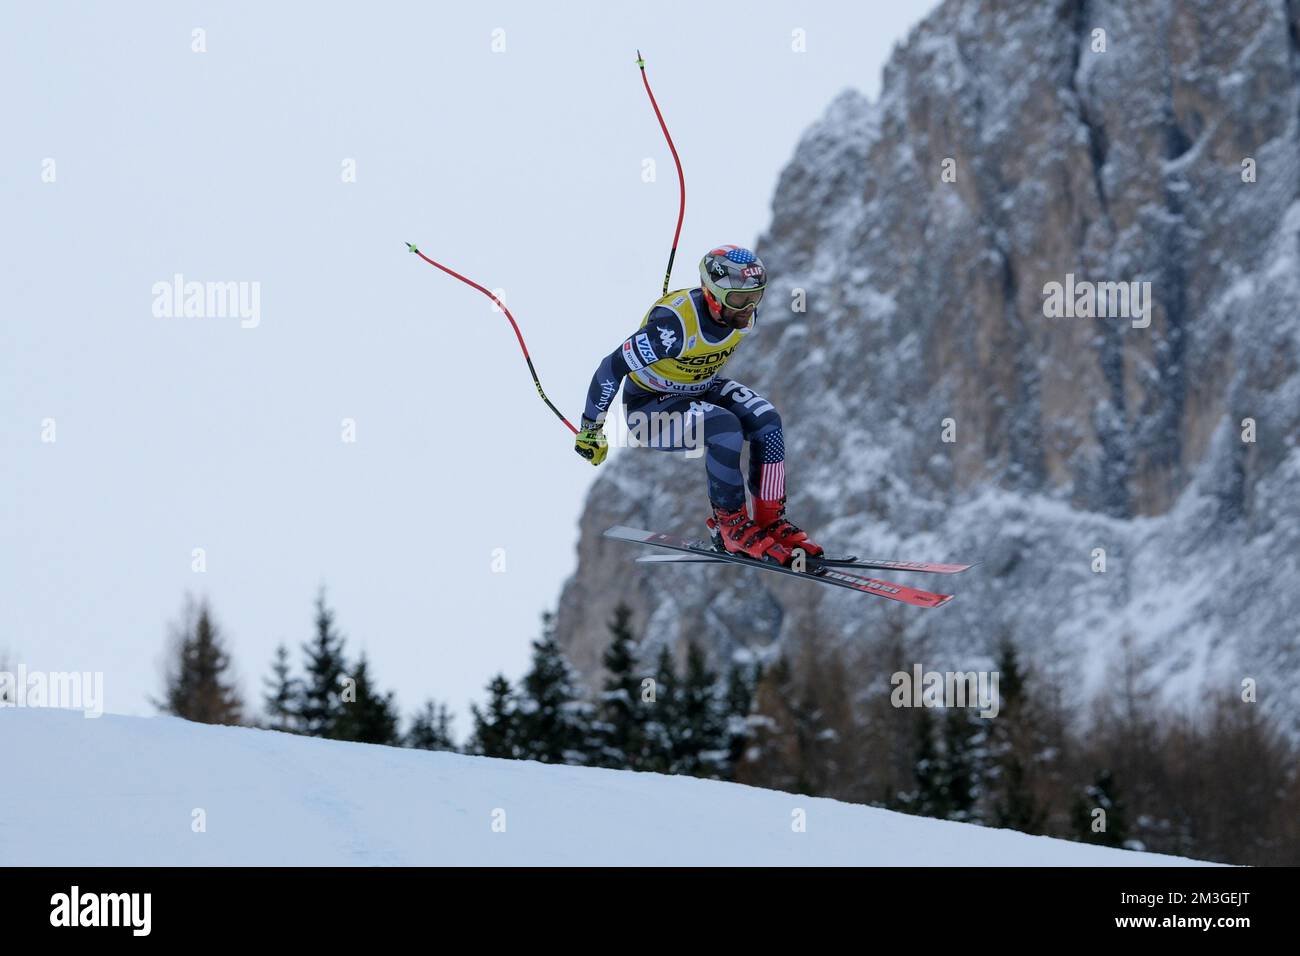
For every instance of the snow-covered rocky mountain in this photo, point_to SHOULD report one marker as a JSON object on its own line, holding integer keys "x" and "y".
{"x": 1014, "y": 145}
{"x": 132, "y": 791}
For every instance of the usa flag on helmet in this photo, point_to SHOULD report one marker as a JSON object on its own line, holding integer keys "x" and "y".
{"x": 732, "y": 267}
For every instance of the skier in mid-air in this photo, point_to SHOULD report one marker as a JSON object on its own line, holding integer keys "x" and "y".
{"x": 674, "y": 363}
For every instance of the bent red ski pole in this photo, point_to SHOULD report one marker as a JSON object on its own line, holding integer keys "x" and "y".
{"x": 502, "y": 306}
{"x": 681, "y": 179}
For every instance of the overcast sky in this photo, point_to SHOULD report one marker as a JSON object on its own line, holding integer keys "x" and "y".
{"x": 129, "y": 158}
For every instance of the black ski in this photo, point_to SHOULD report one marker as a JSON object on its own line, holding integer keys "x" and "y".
{"x": 824, "y": 574}
{"x": 875, "y": 564}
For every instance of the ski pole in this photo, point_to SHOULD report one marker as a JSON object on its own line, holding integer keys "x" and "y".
{"x": 681, "y": 179}
{"x": 502, "y": 306}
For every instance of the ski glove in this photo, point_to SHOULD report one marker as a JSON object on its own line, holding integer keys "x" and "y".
{"x": 591, "y": 443}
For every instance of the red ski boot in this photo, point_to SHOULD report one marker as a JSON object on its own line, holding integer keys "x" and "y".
{"x": 770, "y": 517}
{"x": 733, "y": 532}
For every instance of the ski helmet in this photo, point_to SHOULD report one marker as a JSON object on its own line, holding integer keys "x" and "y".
{"x": 733, "y": 277}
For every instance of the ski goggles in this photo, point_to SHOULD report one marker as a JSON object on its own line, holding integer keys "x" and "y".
{"x": 739, "y": 300}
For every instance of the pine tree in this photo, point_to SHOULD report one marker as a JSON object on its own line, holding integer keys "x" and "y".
{"x": 1130, "y": 740}
{"x": 739, "y": 706}
{"x": 824, "y": 721}
{"x": 619, "y": 729}
{"x": 661, "y": 716}
{"x": 431, "y": 729}
{"x": 319, "y": 704}
{"x": 554, "y": 722}
{"x": 496, "y": 731}
{"x": 282, "y": 694}
{"x": 367, "y": 716}
{"x": 929, "y": 797}
{"x": 1015, "y": 807}
{"x": 962, "y": 756}
{"x": 945, "y": 765}
{"x": 1100, "y": 795}
{"x": 700, "y": 743}
{"x": 888, "y": 735}
{"x": 1014, "y": 750}
{"x": 198, "y": 684}
{"x": 774, "y": 758}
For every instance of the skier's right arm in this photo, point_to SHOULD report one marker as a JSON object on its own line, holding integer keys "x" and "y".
{"x": 660, "y": 338}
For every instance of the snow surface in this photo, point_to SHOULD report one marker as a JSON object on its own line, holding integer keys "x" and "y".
{"x": 121, "y": 790}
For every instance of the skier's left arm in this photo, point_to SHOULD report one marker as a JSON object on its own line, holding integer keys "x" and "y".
{"x": 661, "y": 338}
{"x": 604, "y": 386}
{"x": 591, "y": 443}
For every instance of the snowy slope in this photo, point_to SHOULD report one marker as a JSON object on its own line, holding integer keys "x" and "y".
{"x": 123, "y": 790}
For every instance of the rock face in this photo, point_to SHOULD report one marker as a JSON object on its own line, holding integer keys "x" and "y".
{"x": 1118, "y": 157}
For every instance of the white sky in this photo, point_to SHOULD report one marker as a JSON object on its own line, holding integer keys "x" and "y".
{"x": 520, "y": 169}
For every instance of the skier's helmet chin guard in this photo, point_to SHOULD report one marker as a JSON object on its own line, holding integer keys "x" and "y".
{"x": 735, "y": 278}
